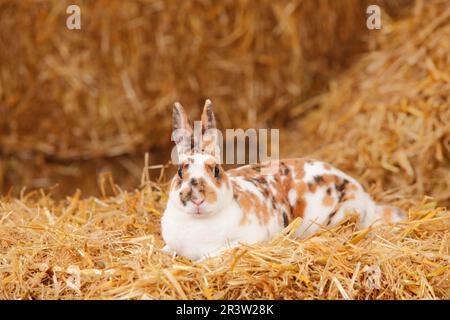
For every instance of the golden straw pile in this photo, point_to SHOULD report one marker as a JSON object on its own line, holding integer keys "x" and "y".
{"x": 110, "y": 249}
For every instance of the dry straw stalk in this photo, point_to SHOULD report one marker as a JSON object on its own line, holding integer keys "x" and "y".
{"x": 111, "y": 249}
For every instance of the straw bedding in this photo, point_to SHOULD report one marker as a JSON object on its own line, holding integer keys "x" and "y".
{"x": 386, "y": 121}
{"x": 110, "y": 249}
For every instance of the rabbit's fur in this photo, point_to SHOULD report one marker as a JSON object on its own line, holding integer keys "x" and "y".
{"x": 210, "y": 209}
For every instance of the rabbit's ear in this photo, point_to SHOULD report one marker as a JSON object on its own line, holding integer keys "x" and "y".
{"x": 210, "y": 135}
{"x": 182, "y": 129}
{"x": 208, "y": 119}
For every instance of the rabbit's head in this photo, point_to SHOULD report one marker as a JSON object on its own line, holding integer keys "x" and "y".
{"x": 200, "y": 187}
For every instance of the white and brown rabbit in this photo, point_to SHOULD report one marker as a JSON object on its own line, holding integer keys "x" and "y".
{"x": 210, "y": 209}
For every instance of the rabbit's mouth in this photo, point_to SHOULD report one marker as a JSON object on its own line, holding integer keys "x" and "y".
{"x": 200, "y": 211}
{"x": 195, "y": 209}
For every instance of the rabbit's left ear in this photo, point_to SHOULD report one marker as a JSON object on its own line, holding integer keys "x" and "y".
{"x": 210, "y": 134}
{"x": 182, "y": 130}
{"x": 208, "y": 119}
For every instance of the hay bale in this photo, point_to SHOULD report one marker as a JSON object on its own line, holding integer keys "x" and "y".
{"x": 109, "y": 248}
{"x": 106, "y": 90}
{"x": 65, "y": 177}
{"x": 387, "y": 119}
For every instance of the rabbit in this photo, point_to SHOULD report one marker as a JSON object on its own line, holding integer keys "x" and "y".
{"x": 210, "y": 210}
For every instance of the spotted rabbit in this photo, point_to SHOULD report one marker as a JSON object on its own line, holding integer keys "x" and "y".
{"x": 210, "y": 209}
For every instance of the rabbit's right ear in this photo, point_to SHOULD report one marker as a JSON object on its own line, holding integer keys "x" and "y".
{"x": 182, "y": 130}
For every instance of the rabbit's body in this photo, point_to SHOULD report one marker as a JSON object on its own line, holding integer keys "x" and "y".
{"x": 210, "y": 209}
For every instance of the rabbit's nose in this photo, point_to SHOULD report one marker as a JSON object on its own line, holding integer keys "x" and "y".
{"x": 198, "y": 202}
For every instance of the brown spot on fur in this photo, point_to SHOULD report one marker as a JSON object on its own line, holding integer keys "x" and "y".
{"x": 243, "y": 200}
{"x": 387, "y": 214}
{"x": 319, "y": 180}
{"x": 285, "y": 219}
{"x": 301, "y": 188}
{"x": 185, "y": 195}
{"x": 265, "y": 212}
{"x": 208, "y": 144}
{"x": 342, "y": 184}
{"x": 245, "y": 171}
{"x": 274, "y": 191}
{"x": 289, "y": 177}
{"x": 210, "y": 195}
{"x": 300, "y": 170}
{"x": 312, "y": 187}
{"x": 253, "y": 170}
{"x": 331, "y": 215}
{"x": 209, "y": 169}
{"x": 250, "y": 202}
{"x": 202, "y": 187}
{"x": 330, "y": 178}
{"x": 207, "y": 118}
{"x": 349, "y": 197}
{"x": 299, "y": 209}
{"x": 328, "y": 201}
{"x": 184, "y": 171}
{"x": 176, "y": 183}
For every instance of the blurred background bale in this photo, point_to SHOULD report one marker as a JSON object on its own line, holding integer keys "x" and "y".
{"x": 387, "y": 118}
{"x": 75, "y": 103}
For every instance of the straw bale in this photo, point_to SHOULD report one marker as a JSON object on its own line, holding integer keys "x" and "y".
{"x": 387, "y": 119}
{"x": 105, "y": 91}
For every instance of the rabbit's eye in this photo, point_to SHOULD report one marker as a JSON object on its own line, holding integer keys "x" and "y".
{"x": 180, "y": 172}
{"x": 216, "y": 171}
